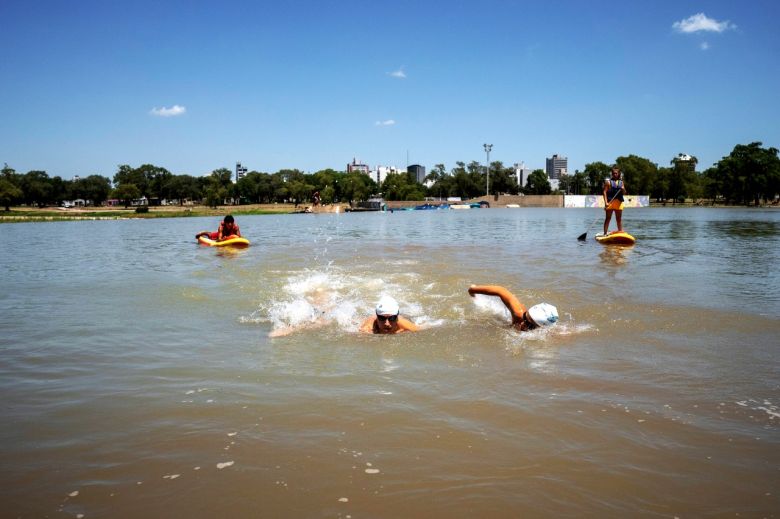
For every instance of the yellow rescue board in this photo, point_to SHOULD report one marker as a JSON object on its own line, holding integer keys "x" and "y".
{"x": 616, "y": 238}
{"x": 235, "y": 241}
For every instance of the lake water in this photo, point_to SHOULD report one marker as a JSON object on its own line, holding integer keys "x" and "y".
{"x": 138, "y": 378}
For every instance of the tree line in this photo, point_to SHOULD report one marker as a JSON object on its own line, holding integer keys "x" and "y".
{"x": 749, "y": 174}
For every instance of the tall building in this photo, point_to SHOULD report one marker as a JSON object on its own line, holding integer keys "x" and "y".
{"x": 380, "y": 173}
{"x": 240, "y": 171}
{"x": 357, "y": 166}
{"x": 418, "y": 172}
{"x": 557, "y": 166}
{"x": 522, "y": 173}
{"x": 686, "y": 160}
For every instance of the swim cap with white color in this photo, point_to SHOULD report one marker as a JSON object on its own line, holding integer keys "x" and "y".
{"x": 543, "y": 314}
{"x": 387, "y": 306}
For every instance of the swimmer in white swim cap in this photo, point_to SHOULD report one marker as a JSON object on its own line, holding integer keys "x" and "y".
{"x": 523, "y": 318}
{"x": 387, "y": 319}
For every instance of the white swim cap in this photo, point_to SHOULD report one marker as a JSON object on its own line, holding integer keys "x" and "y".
{"x": 387, "y": 306}
{"x": 543, "y": 314}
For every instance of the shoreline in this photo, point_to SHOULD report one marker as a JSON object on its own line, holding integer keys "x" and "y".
{"x": 52, "y": 214}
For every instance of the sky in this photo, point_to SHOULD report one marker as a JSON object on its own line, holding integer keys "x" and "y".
{"x": 193, "y": 86}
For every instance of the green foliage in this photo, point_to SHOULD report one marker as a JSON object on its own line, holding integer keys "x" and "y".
{"x": 538, "y": 184}
{"x": 502, "y": 179}
{"x": 576, "y": 184}
{"x": 9, "y": 193}
{"x": 596, "y": 173}
{"x": 748, "y": 173}
{"x": 400, "y": 186}
{"x": 638, "y": 173}
{"x": 355, "y": 186}
{"x": 36, "y": 188}
{"x": 126, "y": 193}
{"x": 94, "y": 188}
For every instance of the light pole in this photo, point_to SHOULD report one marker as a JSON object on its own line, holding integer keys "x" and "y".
{"x": 488, "y": 147}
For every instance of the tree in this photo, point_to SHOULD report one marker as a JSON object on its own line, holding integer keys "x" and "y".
{"x": 95, "y": 188}
{"x": 683, "y": 174}
{"x": 502, "y": 179}
{"x": 749, "y": 173}
{"x": 183, "y": 187}
{"x": 9, "y": 193}
{"x": 128, "y": 175}
{"x": 538, "y": 184}
{"x": 400, "y": 186}
{"x": 597, "y": 173}
{"x": 126, "y": 193}
{"x": 660, "y": 188}
{"x": 356, "y": 186}
{"x": 219, "y": 186}
{"x": 157, "y": 180}
{"x": 639, "y": 173}
{"x": 299, "y": 190}
{"x": 464, "y": 181}
{"x": 573, "y": 184}
{"x": 36, "y": 188}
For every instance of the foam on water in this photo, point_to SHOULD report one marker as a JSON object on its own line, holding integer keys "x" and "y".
{"x": 314, "y": 298}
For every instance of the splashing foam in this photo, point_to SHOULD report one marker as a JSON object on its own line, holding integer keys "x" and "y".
{"x": 313, "y": 298}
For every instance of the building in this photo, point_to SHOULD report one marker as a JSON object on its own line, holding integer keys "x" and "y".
{"x": 688, "y": 161}
{"x": 557, "y": 166}
{"x": 522, "y": 173}
{"x": 240, "y": 171}
{"x": 357, "y": 166}
{"x": 418, "y": 172}
{"x": 379, "y": 174}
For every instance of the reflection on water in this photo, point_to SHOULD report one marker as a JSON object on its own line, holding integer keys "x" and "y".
{"x": 139, "y": 379}
{"x": 615, "y": 254}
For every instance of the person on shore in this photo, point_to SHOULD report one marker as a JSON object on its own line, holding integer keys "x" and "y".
{"x": 227, "y": 229}
{"x": 614, "y": 189}
{"x": 524, "y": 319}
{"x": 387, "y": 319}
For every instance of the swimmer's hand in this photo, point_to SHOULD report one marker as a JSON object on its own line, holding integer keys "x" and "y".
{"x": 471, "y": 290}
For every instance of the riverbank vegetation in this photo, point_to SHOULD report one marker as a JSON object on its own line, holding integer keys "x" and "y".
{"x": 750, "y": 174}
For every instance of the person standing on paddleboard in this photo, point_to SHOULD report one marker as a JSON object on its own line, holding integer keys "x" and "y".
{"x": 523, "y": 318}
{"x": 614, "y": 189}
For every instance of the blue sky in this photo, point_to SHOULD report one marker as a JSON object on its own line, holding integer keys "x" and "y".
{"x": 195, "y": 86}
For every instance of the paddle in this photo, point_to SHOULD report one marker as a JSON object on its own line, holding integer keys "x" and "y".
{"x": 582, "y": 236}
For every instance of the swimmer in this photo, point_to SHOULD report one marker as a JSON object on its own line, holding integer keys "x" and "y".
{"x": 523, "y": 318}
{"x": 321, "y": 305}
{"x": 387, "y": 319}
{"x": 228, "y": 228}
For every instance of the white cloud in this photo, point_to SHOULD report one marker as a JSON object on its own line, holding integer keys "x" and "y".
{"x": 168, "y": 112}
{"x": 700, "y": 22}
{"x": 388, "y": 122}
{"x": 400, "y": 74}
{"x": 704, "y": 45}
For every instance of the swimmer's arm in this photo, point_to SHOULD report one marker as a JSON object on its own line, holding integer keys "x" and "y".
{"x": 515, "y": 307}
{"x": 406, "y": 325}
{"x": 287, "y": 330}
{"x": 282, "y": 332}
{"x": 368, "y": 325}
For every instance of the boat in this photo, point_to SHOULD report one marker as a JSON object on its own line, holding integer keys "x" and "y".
{"x": 430, "y": 207}
{"x": 616, "y": 238}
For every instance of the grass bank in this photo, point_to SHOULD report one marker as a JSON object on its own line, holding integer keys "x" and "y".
{"x": 49, "y": 214}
